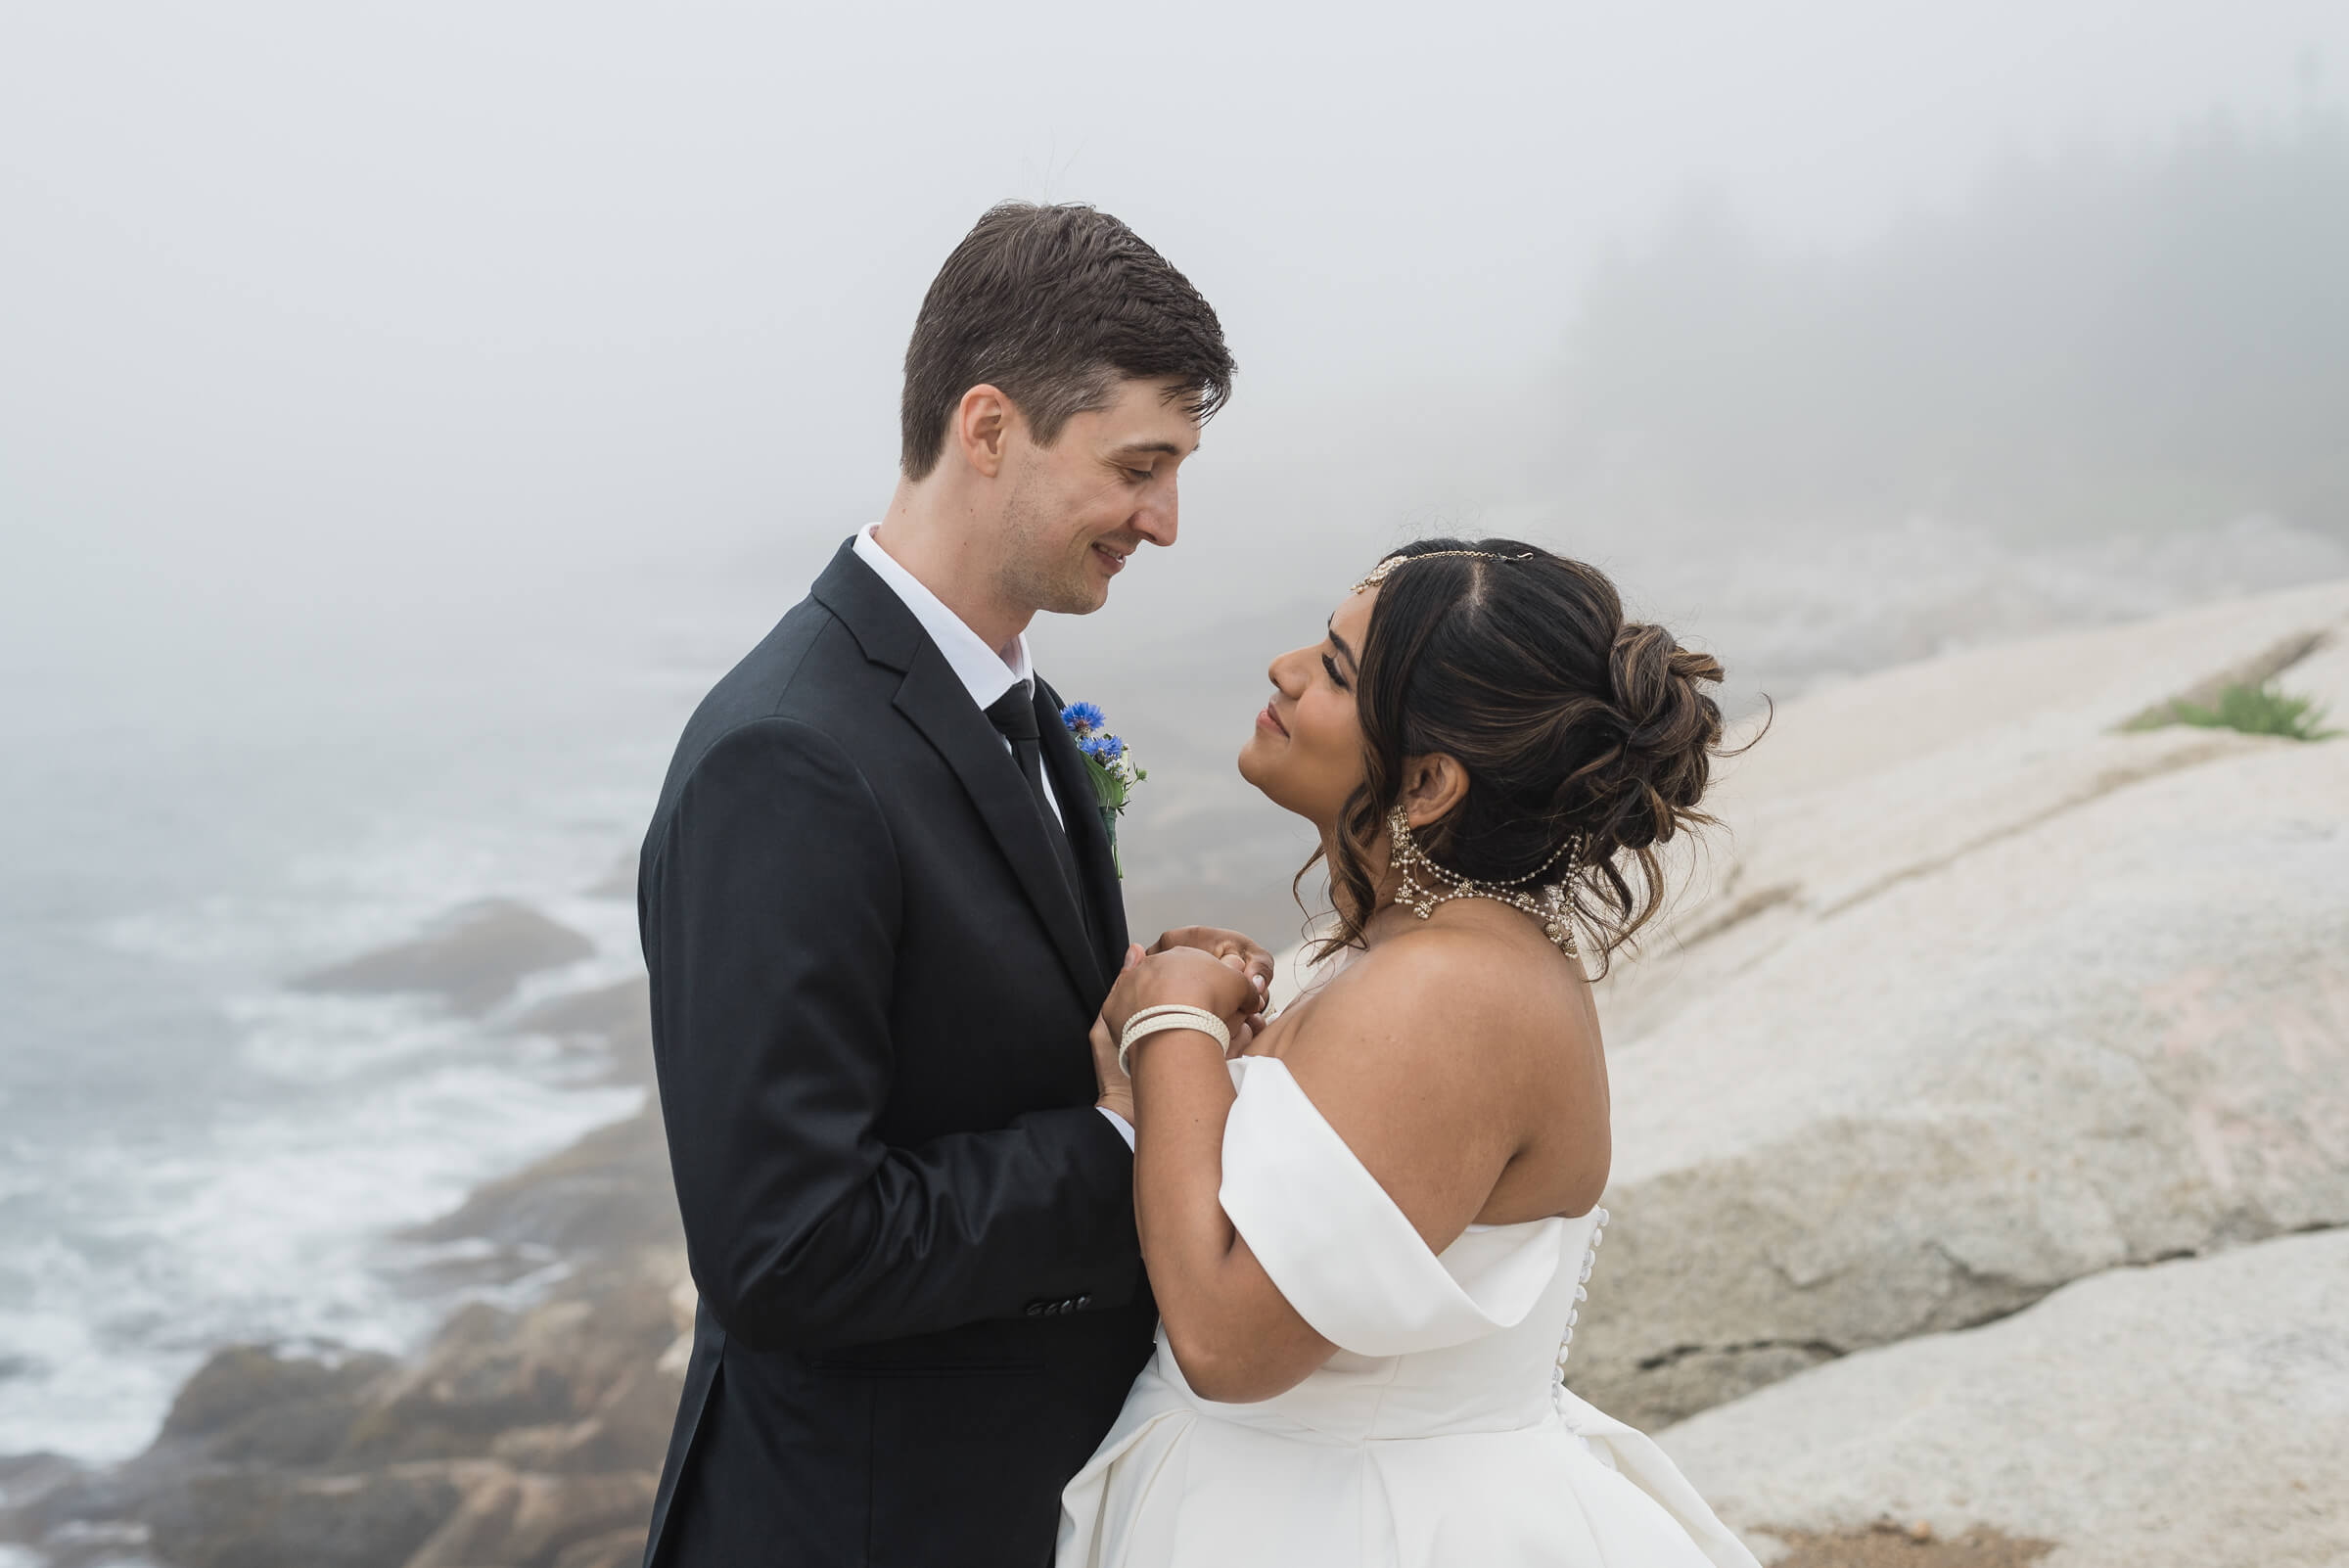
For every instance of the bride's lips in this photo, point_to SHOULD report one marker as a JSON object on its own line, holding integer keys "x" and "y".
{"x": 1271, "y": 720}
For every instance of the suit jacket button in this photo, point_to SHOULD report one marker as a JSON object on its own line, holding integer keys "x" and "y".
{"x": 1083, "y": 1301}
{"x": 1035, "y": 1308}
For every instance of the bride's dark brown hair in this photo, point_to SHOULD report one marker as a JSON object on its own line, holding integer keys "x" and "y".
{"x": 1567, "y": 719}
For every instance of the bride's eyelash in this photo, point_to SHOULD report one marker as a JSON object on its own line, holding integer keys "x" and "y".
{"x": 1331, "y": 665}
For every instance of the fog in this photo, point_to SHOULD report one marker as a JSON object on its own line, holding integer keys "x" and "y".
{"x": 317, "y": 321}
{"x": 407, "y": 410}
{"x": 418, "y": 358}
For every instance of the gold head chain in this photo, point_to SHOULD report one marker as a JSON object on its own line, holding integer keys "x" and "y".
{"x": 1381, "y": 571}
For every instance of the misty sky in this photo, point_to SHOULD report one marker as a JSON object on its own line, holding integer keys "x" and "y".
{"x": 371, "y": 306}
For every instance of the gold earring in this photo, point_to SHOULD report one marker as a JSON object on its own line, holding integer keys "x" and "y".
{"x": 1406, "y": 856}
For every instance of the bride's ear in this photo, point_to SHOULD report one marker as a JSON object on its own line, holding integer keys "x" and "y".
{"x": 1432, "y": 785}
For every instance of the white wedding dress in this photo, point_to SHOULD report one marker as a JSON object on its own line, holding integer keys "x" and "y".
{"x": 1440, "y": 1435}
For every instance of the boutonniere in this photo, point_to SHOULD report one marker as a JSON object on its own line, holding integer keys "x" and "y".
{"x": 1109, "y": 764}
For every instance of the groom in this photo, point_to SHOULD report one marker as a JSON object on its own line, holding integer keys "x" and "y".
{"x": 880, "y": 913}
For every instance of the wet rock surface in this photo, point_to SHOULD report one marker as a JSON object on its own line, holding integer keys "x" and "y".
{"x": 472, "y": 957}
{"x": 524, "y": 1436}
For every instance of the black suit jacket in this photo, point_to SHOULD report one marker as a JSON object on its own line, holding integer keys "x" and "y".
{"x": 921, "y": 1293}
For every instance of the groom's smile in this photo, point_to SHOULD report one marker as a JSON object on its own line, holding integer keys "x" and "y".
{"x": 1103, "y": 488}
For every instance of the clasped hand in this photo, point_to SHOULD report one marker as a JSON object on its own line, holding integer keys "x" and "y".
{"x": 1196, "y": 966}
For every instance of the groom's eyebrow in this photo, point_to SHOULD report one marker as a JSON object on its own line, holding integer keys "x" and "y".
{"x": 1167, "y": 448}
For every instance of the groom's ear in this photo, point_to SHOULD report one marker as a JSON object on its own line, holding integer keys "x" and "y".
{"x": 981, "y": 427}
{"x": 1432, "y": 785}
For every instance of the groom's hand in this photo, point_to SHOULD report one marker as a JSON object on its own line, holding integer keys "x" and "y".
{"x": 1114, "y": 1089}
{"x": 1254, "y": 961}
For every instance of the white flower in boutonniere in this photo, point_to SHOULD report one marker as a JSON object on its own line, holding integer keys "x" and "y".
{"x": 1109, "y": 764}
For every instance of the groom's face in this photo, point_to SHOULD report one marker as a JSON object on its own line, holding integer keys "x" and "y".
{"x": 1076, "y": 509}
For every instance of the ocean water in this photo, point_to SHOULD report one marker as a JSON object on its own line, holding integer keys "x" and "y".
{"x": 191, "y": 1155}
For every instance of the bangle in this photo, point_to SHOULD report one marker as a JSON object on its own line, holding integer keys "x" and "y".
{"x": 1152, "y": 1019}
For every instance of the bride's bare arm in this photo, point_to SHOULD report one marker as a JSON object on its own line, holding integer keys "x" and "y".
{"x": 1409, "y": 1058}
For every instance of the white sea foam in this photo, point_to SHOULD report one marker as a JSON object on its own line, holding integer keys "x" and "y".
{"x": 316, "y": 1128}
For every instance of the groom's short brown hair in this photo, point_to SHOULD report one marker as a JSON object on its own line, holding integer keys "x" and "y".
{"x": 1054, "y": 305}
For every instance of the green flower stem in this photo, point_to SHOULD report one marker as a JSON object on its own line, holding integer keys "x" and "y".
{"x": 1109, "y": 825}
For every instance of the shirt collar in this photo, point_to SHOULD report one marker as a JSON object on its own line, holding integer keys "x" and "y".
{"x": 985, "y": 673}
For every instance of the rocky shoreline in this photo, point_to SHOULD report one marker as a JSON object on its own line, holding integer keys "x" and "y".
{"x": 1982, "y": 1183}
{"x": 525, "y": 1437}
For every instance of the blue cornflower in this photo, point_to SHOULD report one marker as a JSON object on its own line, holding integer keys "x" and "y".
{"x": 1083, "y": 718}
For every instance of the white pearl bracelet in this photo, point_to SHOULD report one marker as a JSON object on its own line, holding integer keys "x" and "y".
{"x": 1151, "y": 1020}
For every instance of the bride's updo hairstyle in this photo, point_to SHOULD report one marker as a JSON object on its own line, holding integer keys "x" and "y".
{"x": 1568, "y": 719}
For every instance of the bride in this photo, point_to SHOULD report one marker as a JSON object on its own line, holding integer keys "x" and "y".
{"x": 1368, "y": 1225}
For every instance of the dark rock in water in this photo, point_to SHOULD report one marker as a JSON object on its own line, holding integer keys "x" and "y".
{"x": 253, "y": 1404}
{"x": 616, "y": 1019}
{"x": 600, "y": 1014}
{"x": 627, "y": 1430}
{"x": 606, "y": 1193}
{"x": 492, "y": 1372}
{"x": 534, "y": 1520}
{"x": 27, "y": 1482}
{"x": 259, "y": 1518}
{"x": 527, "y": 1438}
{"x": 479, "y": 1378}
{"x": 19, "y": 1472}
{"x": 621, "y": 1548}
{"x": 472, "y": 957}
{"x": 517, "y": 1440}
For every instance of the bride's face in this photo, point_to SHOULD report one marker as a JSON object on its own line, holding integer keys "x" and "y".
{"x": 1307, "y": 751}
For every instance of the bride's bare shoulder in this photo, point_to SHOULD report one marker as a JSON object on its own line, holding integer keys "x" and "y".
{"x": 1434, "y": 1056}
{"x": 1422, "y": 993}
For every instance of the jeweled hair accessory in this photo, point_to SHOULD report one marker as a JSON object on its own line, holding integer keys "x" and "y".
{"x": 1381, "y": 571}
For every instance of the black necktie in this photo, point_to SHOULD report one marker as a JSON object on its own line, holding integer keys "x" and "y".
{"x": 1014, "y": 717}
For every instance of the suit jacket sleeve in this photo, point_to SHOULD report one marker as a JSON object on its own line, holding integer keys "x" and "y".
{"x": 769, "y": 906}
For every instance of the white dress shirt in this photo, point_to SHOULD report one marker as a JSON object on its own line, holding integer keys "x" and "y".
{"x": 987, "y": 674}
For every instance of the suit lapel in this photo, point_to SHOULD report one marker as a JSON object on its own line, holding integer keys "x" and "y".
{"x": 936, "y": 703}
{"x": 941, "y": 707}
{"x": 1080, "y": 807}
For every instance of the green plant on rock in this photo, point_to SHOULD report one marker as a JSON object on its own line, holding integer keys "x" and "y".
{"x": 2262, "y": 710}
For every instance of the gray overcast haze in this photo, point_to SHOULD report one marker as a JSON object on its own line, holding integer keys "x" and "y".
{"x": 408, "y": 411}
{"x": 320, "y": 322}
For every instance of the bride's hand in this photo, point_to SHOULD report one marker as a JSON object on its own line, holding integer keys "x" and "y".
{"x": 1185, "y": 977}
{"x": 1225, "y": 986}
{"x": 1225, "y": 945}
